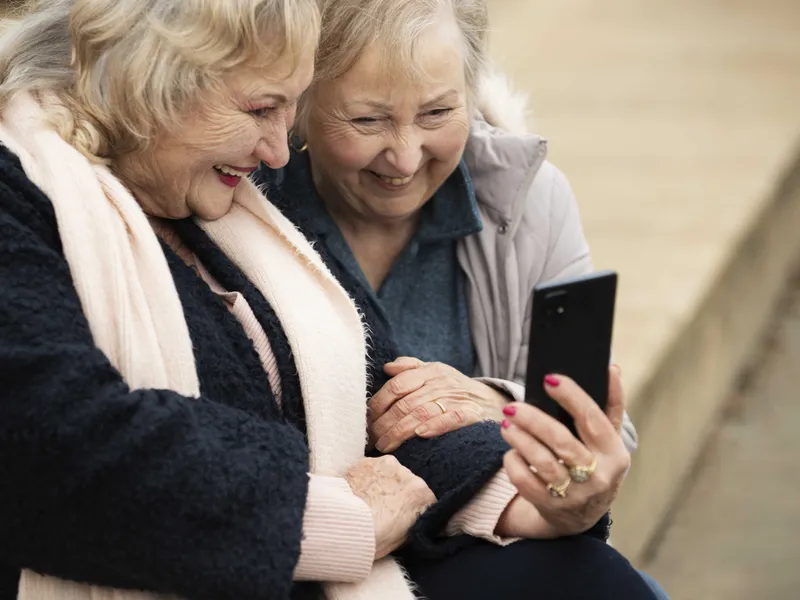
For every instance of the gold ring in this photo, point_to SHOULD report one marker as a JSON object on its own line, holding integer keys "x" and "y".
{"x": 559, "y": 491}
{"x": 440, "y": 405}
{"x": 580, "y": 474}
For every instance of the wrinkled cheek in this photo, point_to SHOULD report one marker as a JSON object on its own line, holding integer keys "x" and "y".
{"x": 449, "y": 148}
{"x": 352, "y": 155}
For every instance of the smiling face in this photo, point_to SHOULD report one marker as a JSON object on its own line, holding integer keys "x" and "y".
{"x": 380, "y": 146}
{"x": 195, "y": 170}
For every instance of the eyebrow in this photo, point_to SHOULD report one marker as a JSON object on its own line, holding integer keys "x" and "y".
{"x": 440, "y": 97}
{"x": 386, "y": 107}
{"x": 280, "y": 98}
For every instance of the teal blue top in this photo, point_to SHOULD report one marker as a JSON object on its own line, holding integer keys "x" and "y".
{"x": 422, "y": 301}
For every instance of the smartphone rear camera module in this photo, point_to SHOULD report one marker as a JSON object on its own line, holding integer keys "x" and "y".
{"x": 557, "y": 305}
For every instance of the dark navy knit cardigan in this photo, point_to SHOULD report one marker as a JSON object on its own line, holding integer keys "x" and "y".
{"x": 148, "y": 489}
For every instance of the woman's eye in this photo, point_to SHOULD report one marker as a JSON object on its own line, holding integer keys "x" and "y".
{"x": 366, "y": 120}
{"x": 262, "y": 112}
{"x": 438, "y": 112}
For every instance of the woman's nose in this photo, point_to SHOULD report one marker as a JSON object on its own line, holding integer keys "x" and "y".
{"x": 405, "y": 155}
{"x": 273, "y": 147}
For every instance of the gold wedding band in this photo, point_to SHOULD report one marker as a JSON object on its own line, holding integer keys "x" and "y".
{"x": 440, "y": 405}
{"x": 559, "y": 491}
{"x": 581, "y": 474}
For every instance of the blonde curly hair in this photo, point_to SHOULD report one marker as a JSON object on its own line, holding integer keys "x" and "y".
{"x": 123, "y": 70}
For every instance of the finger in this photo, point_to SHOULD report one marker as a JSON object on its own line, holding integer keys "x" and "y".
{"x": 538, "y": 456}
{"x": 397, "y": 387}
{"x": 405, "y": 428}
{"x": 401, "y": 364}
{"x": 519, "y": 473}
{"x": 454, "y": 418}
{"x": 527, "y": 420}
{"x": 406, "y": 405}
{"x": 591, "y": 423}
{"x": 615, "y": 408}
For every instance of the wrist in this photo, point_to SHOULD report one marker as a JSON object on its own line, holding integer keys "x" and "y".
{"x": 492, "y": 400}
{"x": 521, "y": 519}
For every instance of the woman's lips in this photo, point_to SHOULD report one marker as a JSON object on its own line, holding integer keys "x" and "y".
{"x": 392, "y": 183}
{"x": 231, "y": 175}
{"x": 229, "y": 180}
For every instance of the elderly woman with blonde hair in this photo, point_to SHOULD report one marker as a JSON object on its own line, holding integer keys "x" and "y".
{"x": 413, "y": 179}
{"x": 183, "y": 382}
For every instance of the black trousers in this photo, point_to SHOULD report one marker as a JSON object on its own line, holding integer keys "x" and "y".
{"x": 574, "y": 568}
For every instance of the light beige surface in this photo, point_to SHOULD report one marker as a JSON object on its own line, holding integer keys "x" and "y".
{"x": 735, "y": 534}
{"x": 672, "y": 120}
{"x": 675, "y": 122}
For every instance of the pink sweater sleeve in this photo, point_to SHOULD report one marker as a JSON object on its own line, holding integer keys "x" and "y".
{"x": 479, "y": 518}
{"x": 338, "y": 534}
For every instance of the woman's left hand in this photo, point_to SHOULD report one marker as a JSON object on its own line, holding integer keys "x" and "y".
{"x": 426, "y": 400}
{"x": 571, "y": 482}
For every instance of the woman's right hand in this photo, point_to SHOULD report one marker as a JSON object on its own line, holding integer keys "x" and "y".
{"x": 395, "y": 495}
{"x": 546, "y": 458}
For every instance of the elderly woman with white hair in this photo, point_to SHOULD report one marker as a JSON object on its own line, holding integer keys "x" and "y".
{"x": 440, "y": 224}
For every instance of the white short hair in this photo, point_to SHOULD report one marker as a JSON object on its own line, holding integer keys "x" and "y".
{"x": 349, "y": 27}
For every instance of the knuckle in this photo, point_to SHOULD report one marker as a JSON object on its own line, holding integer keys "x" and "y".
{"x": 586, "y": 422}
{"x": 402, "y": 407}
{"x": 391, "y": 461}
{"x": 420, "y": 413}
{"x": 395, "y": 386}
{"x": 603, "y": 480}
{"x": 623, "y": 464}
{"x": 479, "y": 413}
{"x": 459, "y": 418}
{"x": 562, "y": 442}
{"x": 549, "y": 469}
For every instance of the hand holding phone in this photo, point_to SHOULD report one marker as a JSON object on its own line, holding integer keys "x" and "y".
{"x": 571, "y": 332}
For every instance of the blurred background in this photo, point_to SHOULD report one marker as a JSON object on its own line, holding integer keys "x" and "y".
{"x": 678, "y": 125}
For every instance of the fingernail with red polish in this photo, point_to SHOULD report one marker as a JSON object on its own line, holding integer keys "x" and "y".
{"x": 552, "y": 381}
{"x": 509, "y": 410}
{"x": 505, "y": 424}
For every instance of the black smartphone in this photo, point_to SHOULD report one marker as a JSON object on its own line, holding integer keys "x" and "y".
{"x": 571, "y": 331}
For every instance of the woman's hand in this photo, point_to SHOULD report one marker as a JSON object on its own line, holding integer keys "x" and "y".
{"x": 542, "y": 464}
{"x": 427, "y": 400}
{"x": 394, "y": 494}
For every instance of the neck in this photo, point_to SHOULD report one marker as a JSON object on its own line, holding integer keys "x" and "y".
{"x": 376, "y": 245}
{"x": 396, "y": 231}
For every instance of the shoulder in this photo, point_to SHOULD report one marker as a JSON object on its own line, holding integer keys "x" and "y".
{"x": 549, "y": 194}
{"x": 539, "y": 209}
{"x": 550, "y": 215}
{"x": 24, "y": 209}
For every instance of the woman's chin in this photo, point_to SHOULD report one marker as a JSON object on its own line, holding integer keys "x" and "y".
{"x": 212, "y": 208}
